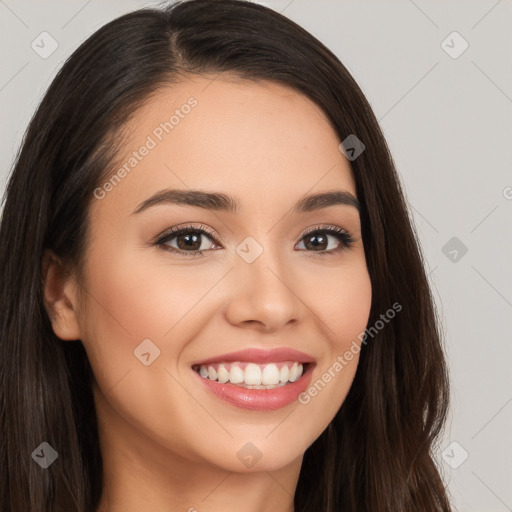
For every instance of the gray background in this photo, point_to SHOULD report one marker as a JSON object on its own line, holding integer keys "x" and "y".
{"x": 447, "y": 122}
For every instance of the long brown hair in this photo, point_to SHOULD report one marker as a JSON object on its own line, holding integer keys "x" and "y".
{"x": 377, "y": 453}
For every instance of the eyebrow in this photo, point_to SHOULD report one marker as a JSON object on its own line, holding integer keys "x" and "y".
{"x": 222, "y": 202}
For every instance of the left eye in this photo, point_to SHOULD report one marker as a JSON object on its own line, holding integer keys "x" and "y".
{"x": 319, "y": 240}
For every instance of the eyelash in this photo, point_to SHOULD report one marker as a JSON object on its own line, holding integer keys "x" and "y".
{"x": 341, "y": 234}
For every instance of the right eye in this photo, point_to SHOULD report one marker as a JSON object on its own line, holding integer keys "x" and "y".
{"x": 188, "y": 240}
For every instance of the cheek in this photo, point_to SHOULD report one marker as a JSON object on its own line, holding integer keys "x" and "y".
{"x": 128, "y": 302}
{"x": 136, "y": 299}
{"x": 341, "y": 300}
{"x": 351, "y": 310}
{"x": 344, "y": 318}
{"x": 351, "y": 315}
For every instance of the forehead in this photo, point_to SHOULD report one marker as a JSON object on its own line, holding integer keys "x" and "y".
{"x": 257, "y": 141}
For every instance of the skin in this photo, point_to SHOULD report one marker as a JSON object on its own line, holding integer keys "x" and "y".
{"x": 167, "y": 442}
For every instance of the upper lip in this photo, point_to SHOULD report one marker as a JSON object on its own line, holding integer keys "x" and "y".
{"x": 261, "y": 356}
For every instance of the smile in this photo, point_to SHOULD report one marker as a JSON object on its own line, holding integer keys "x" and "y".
{"x": 256, "y": 379}
{"x": 252, "y": 375}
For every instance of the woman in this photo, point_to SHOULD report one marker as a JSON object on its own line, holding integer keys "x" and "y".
{"x": 213, "y": 297}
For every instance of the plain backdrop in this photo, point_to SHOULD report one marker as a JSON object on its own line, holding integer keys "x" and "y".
{"x": 444, "y": 102}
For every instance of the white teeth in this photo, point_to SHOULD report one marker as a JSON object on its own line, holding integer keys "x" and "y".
{"x": 293, "y": 373}
{"x": 212, "y": 373}
{"x": 222, "y": 374}
{"x": 236, "y": 375}
{"x": 270, "y": 375}
{"x": 252, "y": 374}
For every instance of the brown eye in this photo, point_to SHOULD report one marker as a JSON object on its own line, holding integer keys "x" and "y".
{"x": 189, "y": 240}
{"x": 318, "y": 240}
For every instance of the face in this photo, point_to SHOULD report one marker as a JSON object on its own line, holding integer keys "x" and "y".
{"x": 268, "y": 290}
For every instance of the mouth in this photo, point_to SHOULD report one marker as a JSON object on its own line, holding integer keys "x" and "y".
{"x": 256, "y": 379}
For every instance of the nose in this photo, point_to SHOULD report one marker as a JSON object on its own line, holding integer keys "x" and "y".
{"x": 262, "y": 294}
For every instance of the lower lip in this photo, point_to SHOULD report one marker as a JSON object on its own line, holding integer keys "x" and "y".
{"x": 259, "y": 399}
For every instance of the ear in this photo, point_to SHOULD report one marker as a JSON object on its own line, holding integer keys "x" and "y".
{"x": 60, "y": 299}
